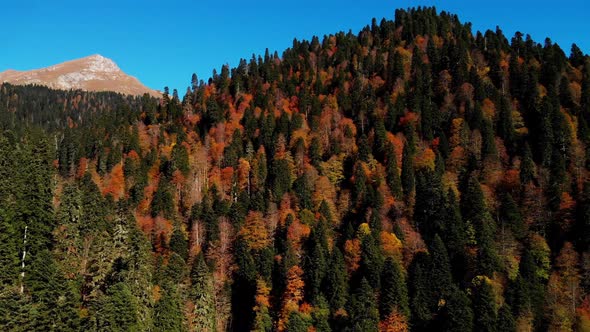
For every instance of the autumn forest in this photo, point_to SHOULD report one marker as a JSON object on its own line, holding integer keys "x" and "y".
{"x": 414, "y": 176}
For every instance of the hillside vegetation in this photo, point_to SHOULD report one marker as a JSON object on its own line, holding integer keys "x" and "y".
{"x": 414, "y": 176}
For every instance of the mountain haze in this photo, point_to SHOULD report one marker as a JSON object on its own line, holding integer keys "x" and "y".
{"x": 91, "y": 73}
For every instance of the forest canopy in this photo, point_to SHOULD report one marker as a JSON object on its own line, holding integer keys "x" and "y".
{"x": 416, "y": 176}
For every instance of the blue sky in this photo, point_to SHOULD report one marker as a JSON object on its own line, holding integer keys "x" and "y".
{"x": 163, "y": 42}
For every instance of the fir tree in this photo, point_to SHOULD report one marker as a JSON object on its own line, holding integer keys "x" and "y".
{"x": 484, "y": 306}
{"x": 394, "y": 292}
{"x": 362, "y": 309}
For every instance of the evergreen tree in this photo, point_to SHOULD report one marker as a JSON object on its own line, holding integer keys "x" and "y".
{"x": 9, "y": 252}
{"x": 371, "y": 261}
{"x": 427, "y": 211}
{"x": 168, "y": 311}
{"x": 179, "y": 244}
{"x": 394, "y": 292}
{"x": 407, "y": 174}
{"x": 458, "y": 315}
{"x": 440, "y": 269}
{"x": 527, "y": 166}
{"x": 506, "y": 322}
{"x": 511, "y": 218}
{"x": 336, "y": 281}
{"x": 315, "y": 267}
{"x": 203, "y": 296}
{"x": 362, "y": 309}
{"x": 118, "y": 311}
{"x": 392, "y": 172}
{"x": 296, "y": 323}
{"x": 484, "y": 306}
{"x": 475, "y": 211}
{"x": 422, "y": 298}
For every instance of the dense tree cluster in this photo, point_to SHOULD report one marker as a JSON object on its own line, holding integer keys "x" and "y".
{"x": 414, "y": 176}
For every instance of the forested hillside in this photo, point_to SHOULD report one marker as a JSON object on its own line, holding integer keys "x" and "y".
{"x": 415, "y": 176}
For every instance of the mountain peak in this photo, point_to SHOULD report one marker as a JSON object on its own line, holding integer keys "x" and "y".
{"x": 97, "y": 62}
{"x": 93, "y": 73}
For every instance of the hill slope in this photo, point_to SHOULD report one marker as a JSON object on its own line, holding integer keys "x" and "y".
{"x": 92, "y": 73}
{"x": 416, "y": 175}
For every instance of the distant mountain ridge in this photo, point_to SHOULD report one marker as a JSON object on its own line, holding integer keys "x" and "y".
{"x": 92, "y": 73}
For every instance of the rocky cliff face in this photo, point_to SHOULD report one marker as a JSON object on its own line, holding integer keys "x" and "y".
{"x": 92, "y": 73}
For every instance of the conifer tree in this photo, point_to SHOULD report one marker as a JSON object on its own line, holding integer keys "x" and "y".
{"x": 336, "y": 281}
{"x": 392, "y": 172}
{"x": 440, "y": 269}
{"x": 371, "y": 261}
{"x": 506, "y": 322}
{"x": 484, "y": 306}
{"x": 394, "y": 291}
{"x": 407, "y": 174}
{"x": 475, "y": 211}
{"x": 203, "y": 296}
{"x": 362, "y": 309}
{"x": 422, "y": 299}
{"x": 168, "y": 311}
{"x": 458, "y": 313}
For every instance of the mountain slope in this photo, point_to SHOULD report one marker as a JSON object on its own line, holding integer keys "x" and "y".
{"x": 92, "y": 73}
{"x": 414, "y": 176}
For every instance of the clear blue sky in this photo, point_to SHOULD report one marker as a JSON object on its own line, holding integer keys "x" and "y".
{"x": 163, "y": 42}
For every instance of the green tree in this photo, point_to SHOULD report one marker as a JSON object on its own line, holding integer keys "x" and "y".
{"x": 440, "y": 269}
{"x": 315, "y": 264}
{"x": 371, "y": 261}
{"x": 392, "y": 172}
{"x": 362, "y": 309}
{"x": 203, "y": 296}
{"x": 527, "y": 166}
{"x": 458, "y": 315}
{"x": 336, "y": 281}
{"x": 296, "y": 323}
{"x": 484, "y": 307}
{"x": 511, "y": 218}
{"x": 394, "y": 292}
{"x": 168, "y": 311}
{"x": 407, "y": 174}
{"x": 178, "y": 243}
{"x": 475, "y": 212}
{"x": 506, "y": 322}
{"x": 118, "y": 310}
{"x": 422, "y": 298}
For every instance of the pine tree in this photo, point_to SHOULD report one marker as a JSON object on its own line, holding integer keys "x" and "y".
{"x": 511, "y": 218}
{"x": 296, "y": 323}
{"x": 440, "y": 269}
{"x": 505, "y": 123}
{"x": 392, "y": 172}
{"x": 371, "y": 261}
{"x": 203, "y": 296}
{"x": 315, "y": 267}
{"x": 168, "y": 311}
{"x": 527, "y": 166}
{"x": 394, "y": 292}
{"x": 422, "y": 298}
{"x": 484, "y": 306}
{"x": 429, "y": 203}
{"x": 9, "y": 252}
{"x": 179, "y": 244}
{"x": 475, "y": 212}
{"x": 407, "y": 174}
{"x": 506, "y": 322}
{"x": 362, "y": 309}
{"x": 118, "y": 311}
{"x": 458, "y": 313}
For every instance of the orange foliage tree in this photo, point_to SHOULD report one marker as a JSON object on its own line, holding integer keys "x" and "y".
{"x": 254, "y": 231}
